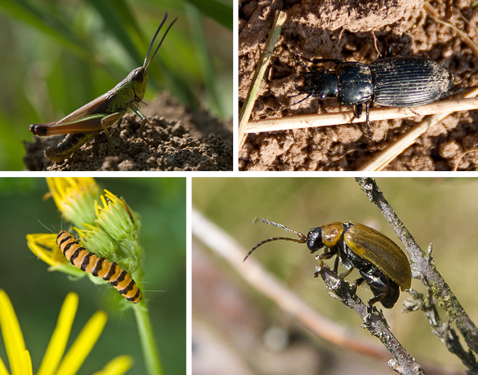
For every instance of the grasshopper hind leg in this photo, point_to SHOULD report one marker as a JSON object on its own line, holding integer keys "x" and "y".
{"x": 68, "y": 146}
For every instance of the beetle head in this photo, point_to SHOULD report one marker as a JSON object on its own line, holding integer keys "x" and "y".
{"x": 314, "y": 239}
{"x": 320, "y": 83}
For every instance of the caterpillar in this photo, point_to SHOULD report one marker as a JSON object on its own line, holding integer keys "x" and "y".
{"x": 98, "y": 266}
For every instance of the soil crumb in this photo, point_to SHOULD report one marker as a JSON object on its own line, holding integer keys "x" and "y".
{"x": 179, "y": 140}
{"x": 348, "y": 30}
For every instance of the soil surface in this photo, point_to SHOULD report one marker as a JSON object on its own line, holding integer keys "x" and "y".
{"x": 349, "y": 30}
{"x": 179, "y": 140}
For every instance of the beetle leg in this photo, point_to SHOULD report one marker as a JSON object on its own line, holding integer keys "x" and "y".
{"x": 325, "y": 255}
{"x": 346, "y": 273}
{"x": 357, "y": 283}
{"x": 336, "y": 265}
{"x": 358, "y": 113}
{"x": 367, "y": 112}
{"x": 358, "y": 110}
{"x": 301, "y": 100}
{"x": 378, "y": 287}
{"x": 320, "y": 61}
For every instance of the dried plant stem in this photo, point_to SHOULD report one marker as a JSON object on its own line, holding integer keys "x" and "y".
{"x": 376, "y": 114}
{"x": 246, "y": 109}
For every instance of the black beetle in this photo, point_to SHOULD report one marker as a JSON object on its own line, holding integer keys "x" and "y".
{"x": 399, "y": 81}
{"x": 381, "y": 263}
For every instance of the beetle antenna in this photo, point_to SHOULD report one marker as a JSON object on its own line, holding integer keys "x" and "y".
{"x": 146, "y": 66}
{"x": 302, "y": 238}
{"x": 282, "y": 226}
{"x": 270, "y": 240}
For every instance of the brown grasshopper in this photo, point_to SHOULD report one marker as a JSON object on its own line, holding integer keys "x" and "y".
{"x": 87, "y": 121}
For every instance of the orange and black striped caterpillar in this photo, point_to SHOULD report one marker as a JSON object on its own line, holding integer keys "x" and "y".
{"x": 98, "y": 266}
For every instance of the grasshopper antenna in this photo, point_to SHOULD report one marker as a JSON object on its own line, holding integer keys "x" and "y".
{"x": 146, "y": 66}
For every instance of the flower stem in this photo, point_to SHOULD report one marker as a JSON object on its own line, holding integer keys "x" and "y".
{"x": 150, "y": 350}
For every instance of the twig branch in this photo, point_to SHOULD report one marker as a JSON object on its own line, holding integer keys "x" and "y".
{"x": 424, "y": 270}
{"x": 374, "y": 322}
{"x": 376, "y": 114}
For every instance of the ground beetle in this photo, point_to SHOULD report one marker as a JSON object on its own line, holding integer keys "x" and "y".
{"x": 381, "y": 263}
{"x": 399, "y": 81}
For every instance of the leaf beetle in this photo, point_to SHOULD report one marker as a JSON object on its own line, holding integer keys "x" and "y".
{"x": 379, "y": 260}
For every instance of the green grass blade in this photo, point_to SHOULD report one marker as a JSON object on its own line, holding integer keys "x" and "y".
{"x": 113, "y": 21}
{"x": 218, "y": 11}
{"x": 126, "y": 15}
{"x": 46, "y": 23}
{"x": 203, "y": 57}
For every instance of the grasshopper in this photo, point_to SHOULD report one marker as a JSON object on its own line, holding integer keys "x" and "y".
{"x": 87, "y": 121}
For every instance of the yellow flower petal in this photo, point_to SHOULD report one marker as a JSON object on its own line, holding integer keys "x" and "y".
{"x": 27, "y": 360}
{"x": 3, "y": 368}
{"x": 12, "y": 336}
{"x": 117, "y": 366}
{"x": 58, "y": 341}
{"x": 44, "y": 247}
{"x": 83, "y": 344}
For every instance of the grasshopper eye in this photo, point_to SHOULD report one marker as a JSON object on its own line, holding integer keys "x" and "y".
{"x": 139, "y": 77}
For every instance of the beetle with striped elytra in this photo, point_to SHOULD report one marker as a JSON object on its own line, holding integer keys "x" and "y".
{"x": 98, "y": 266}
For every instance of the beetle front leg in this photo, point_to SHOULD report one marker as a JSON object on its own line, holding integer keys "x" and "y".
{"x": 357, "y": 283}
{"x": 325, "y": 255}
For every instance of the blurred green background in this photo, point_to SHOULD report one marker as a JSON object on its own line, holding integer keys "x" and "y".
{"x": 58, "y": 56}
{"x": 37, "y": 294}
{"x": 442, "y": 211}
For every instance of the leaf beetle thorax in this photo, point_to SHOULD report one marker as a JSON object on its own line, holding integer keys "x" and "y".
{"x": 332, "y": 233}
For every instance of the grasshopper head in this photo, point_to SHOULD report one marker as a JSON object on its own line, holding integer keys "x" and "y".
{"x": 139, "y": 80}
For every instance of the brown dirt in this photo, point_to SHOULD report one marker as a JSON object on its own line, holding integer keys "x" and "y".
{"x": 180, "y": 140}
{"x": 345, "y": 30}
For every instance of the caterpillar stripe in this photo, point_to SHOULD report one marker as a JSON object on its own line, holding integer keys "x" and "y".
{"x": 98, "y": 266}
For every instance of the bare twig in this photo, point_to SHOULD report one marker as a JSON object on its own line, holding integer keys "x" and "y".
{"x": 424, "y": 270}
{"x": 375, "y": 322}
